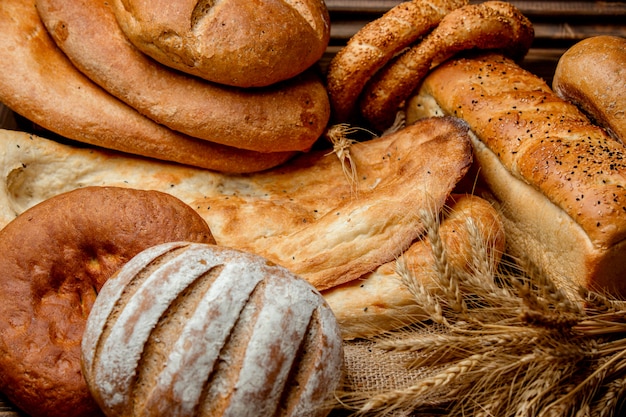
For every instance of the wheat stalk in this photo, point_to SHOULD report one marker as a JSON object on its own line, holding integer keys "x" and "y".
{"x": 503, "y": 342}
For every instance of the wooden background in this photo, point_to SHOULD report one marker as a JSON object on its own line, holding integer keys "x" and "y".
{"x": 558, "y": 25}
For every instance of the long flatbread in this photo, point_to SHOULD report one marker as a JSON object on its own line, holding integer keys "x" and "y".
{"x": 305, "y": 215}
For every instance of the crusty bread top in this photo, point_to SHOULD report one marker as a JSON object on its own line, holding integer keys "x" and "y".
{"x": 233, "y": 42}
{"x": 592, "y": 75}
{"x": 306, "y": 215}
{"x": 285, "y": 117}
{"x": 41, "y": 84}
{"x": 540, "y": 139}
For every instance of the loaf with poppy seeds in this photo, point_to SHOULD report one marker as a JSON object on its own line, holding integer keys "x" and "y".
{"x": 187, "y": 329}
{"x": 558, "y": 180}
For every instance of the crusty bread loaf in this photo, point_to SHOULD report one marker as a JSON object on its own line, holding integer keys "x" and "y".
{"x": 380, "y": 301}
{"x": 592, "y": 75}
{"x": 201, "y": 330}
{"x": 38, "y": 82}
{"x": 559, "y": 181}
{"x": 289, "y": 116}
{"x": 54, "y": 259}
{"x": 232, "y": 42}
{"x": 305, "y": 215}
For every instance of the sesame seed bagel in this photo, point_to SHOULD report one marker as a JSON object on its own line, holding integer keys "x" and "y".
{"x": 54, "y": 259}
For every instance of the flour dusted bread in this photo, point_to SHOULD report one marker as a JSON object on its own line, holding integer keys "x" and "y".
{"x": 592, "y": 75}
{"x": 54, "y": 259}
{"x": 286, "y": 117}
{"x": 558, "y": 180}
{"x": 201, "y": 330}
{"x": 232, "y": 42}
{"x": 38, "y": 82}
{"x": 278, "y": 213}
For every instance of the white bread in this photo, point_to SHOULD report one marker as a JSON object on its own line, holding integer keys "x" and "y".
{"x": 305, "y": 215}
{"x": 232, "y": 42}
{"x": 186, "y": 329}
{"x": 592, "y": 75}
{"x": 558, "y": 180}
{"x": 285, "y": 117}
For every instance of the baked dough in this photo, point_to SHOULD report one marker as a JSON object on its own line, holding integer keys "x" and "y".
{"x": 305, "y": 215}
{"x": 54, "y": 259}
{"x": 285, "y": 117}
{"x": 38, "y": 82}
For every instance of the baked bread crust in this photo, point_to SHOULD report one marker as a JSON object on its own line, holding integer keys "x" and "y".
{"x": 286, "y": 117}
{"x": 592, "y": 75}
{"x": 376, "y": 44}
{"x": 271, "y": 346}
{"x": 280, "y": 213}
{"x": 379, "y": 302}
{"x": 231, "y": 42}
{"x": 492, "y": 25}
{"x": 54, "y": 259}
{"x": 38, "y": 82}
{"x": 559, "y": 180}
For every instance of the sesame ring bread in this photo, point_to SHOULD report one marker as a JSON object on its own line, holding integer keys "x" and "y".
{"x": 285, "y": 117}
{"x": 232, "y": 42}
{"x": 54, "y": 258}
{"x": 592, "y": 75}
{"x": 489, "y": 25}
{"x": 190, "y": 329}
{"x": 38, "y": 82}
{"x": 376, "y": 44}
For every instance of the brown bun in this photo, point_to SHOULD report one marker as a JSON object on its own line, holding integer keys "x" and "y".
{"x": 289, "y": 116}
{"x": 189, "y": 329}
{"x": 54, "y": 258}
{"x": 38, "y": 82}
{"x": 558, "y": 180}
{"x": 233, "y": 42}
{"x": 592, "y": 75}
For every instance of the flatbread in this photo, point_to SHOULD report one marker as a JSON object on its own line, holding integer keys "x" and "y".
{"x": 305, "y": 215}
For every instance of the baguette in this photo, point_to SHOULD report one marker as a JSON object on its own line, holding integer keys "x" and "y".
{"x": 592, "y": 75}
{"x": 285, "y": 117}
{"x": 558, "y": 180}
{"x": 38, "y": 82}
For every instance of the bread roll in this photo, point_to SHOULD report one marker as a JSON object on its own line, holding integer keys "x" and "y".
{"x": 38, "y": 82}
{"x": 306, "y": 216}
{"x": 592, "y": 75}
{"x": 558, "y": 180}
{"x": 286, "y": 117}
{"x": 232, "y": 42}
{"x": 201, "y": 330}
{"x": 54, "y": 259}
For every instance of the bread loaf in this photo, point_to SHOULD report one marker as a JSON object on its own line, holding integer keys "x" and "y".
{"x": 54, "y": 259}
{"x": 286, "y": 117}
{"x": 232, "y": 42}
{"x": 558, "y": 180}
{"x": 592, "y": 75}
{"x": 307, "y": 215}
{"x": 201, "y": 330}
{"x": 38, "y": 82}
